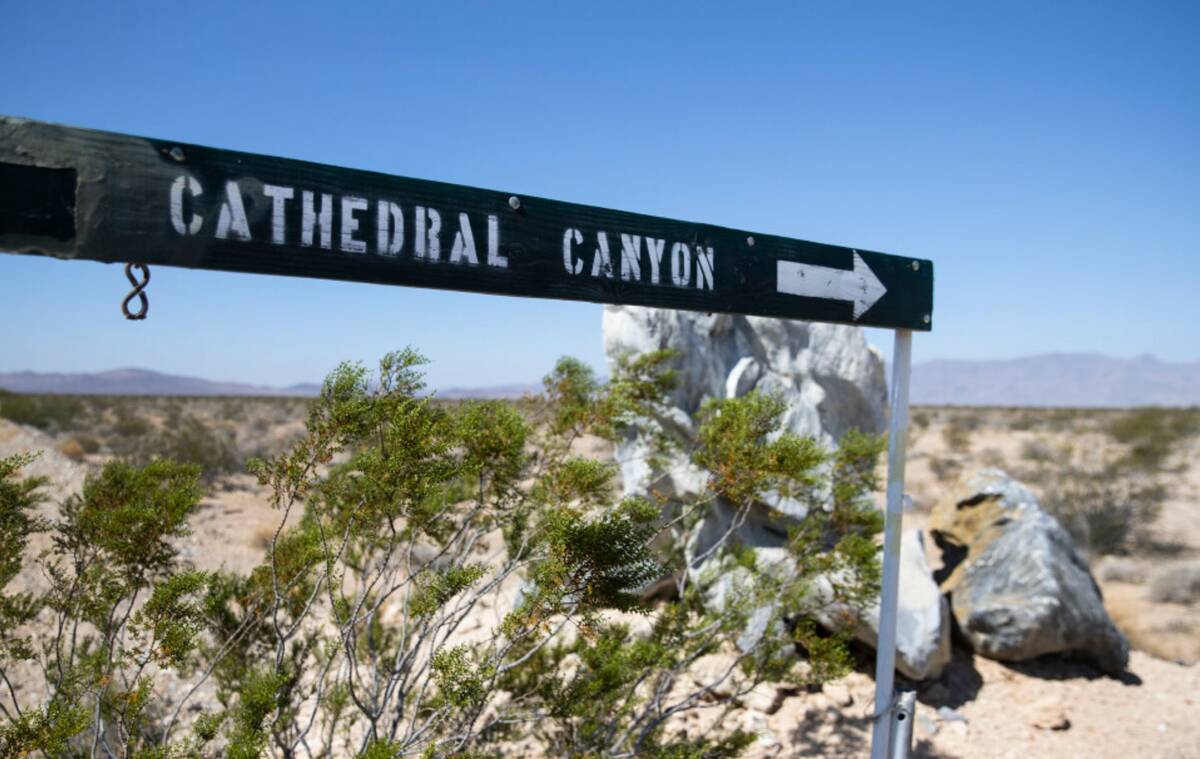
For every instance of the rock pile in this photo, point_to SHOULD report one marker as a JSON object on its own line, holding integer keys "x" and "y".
{"x": 832, "y": 381}
{"x": 1015, "y": 585}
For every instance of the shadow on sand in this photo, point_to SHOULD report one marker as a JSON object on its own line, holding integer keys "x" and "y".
{"x": 1058, "y": 667}
{"x": 837, "y": 732}
{"x": 832, "y": 732}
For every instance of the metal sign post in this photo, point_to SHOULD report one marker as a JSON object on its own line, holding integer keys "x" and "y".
{"x": 81, "y": 194}
{"x": 885, "y": 654}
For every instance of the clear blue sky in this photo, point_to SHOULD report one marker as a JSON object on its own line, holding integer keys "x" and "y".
{"x": 1046, "y": 156}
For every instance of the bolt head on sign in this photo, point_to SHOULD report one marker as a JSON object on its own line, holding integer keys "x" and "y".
{"x": 76, "y": 193}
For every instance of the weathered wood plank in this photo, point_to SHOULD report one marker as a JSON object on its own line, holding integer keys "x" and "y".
{"x": 76, "y": 193}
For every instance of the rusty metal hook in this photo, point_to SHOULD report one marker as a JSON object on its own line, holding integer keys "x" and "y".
{"x": 138, "y": 287}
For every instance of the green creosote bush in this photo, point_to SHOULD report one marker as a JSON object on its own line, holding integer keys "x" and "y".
{"x": 188, "y": 440}
{"x": 88, "y": 443}
{"x": 1028, "y": 420}
{"x": 111, "y": 547}
{"x": 945, "y": 469}
{"x": 129, "y": 425}
{"x": 957, "y": 435}
{"x": 402, "y": 519}
{"x": 1152, "y": 434}
{"x": 47, "y": 412}
{"x": 194, "y": 442}
{"x": 1105, "y": 514}
{"x": 1038, "y": 451}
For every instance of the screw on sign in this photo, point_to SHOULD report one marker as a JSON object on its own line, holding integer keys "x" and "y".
{"x": 81, "y": 194}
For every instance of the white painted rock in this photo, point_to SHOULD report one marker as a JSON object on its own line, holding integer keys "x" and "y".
{"x": 922, "y": 616}
{"x": 832, "y": 381}
{"x": 830, "y": 378}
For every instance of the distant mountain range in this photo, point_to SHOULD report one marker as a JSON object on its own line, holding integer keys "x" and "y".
{"x": 138, "y": 382}
{"x": 1058, "y": 379}
{"x": 147, "y": 382}
{"x": 509, "y": 392}
{"x": 1055, "y": 379}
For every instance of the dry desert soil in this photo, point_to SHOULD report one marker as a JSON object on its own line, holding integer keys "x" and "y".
{"x": 1051, "y": 707}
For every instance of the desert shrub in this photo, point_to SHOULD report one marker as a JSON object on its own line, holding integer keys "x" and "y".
{"x": 1104, "y": 514}
{"x": 72, "y": 449}
{"x": 42, "y": 411}
{"x": 1179, "y": 584}
{"x": 232, "y": 410}
{"x": 130, "y": 424}
{"x": 112, "y": 544}
{"x": 88, "y": 443}
{"x": 1069, "y": 418}
{"x": 1028, "y": 420}
{"x": 945, "y": 469}
{"x": 191, "y": 441}
{"x": 920, "y": 418}
{"x": 957, "y": 434}
{"x": 1119, "y": 569}
{"x": 17, "y": 523}
{"x": 413, "y": 516}
{"x": 1152, "y": 434}
{"x": 188, "y": 440}
{"x": 993, "y": 457}
{"x": 174, "y": 413}
{"x": 1037, "y": 451}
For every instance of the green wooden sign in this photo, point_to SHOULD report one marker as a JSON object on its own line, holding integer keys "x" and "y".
{"x": 75, "y": 193}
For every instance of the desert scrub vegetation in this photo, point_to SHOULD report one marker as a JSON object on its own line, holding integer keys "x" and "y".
{"x": 1178, "y": 583}
{"x": 1114, "y": 511}
{"x": 186, "y": 439}
{"x": 46, "y": 412}
{"x": 185, "y": 429}
{"x": 192, "y": 441}
{"x": 129, "y": 424}
{"x": 72, "y": 449}
{"x": 1106, "y": 474}
{"x": 457, "y": 583}
{"x": 959, "y": 425}
{"x": 1152, "y": 435}
{"x": 1104, "y": 512}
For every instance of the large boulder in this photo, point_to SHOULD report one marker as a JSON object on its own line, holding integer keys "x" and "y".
{"x": 922, "y": 616}
{"x": 832, "y": 381}
{"x": 1017, "y": 587}
{"x": 830, "y": 378}
{"x": 922, "y": 612}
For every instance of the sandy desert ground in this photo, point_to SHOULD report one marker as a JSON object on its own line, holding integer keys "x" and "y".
{"x": 979, "y": 708}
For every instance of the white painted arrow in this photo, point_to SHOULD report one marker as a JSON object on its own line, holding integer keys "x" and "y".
{"x": 859, "y": 285}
